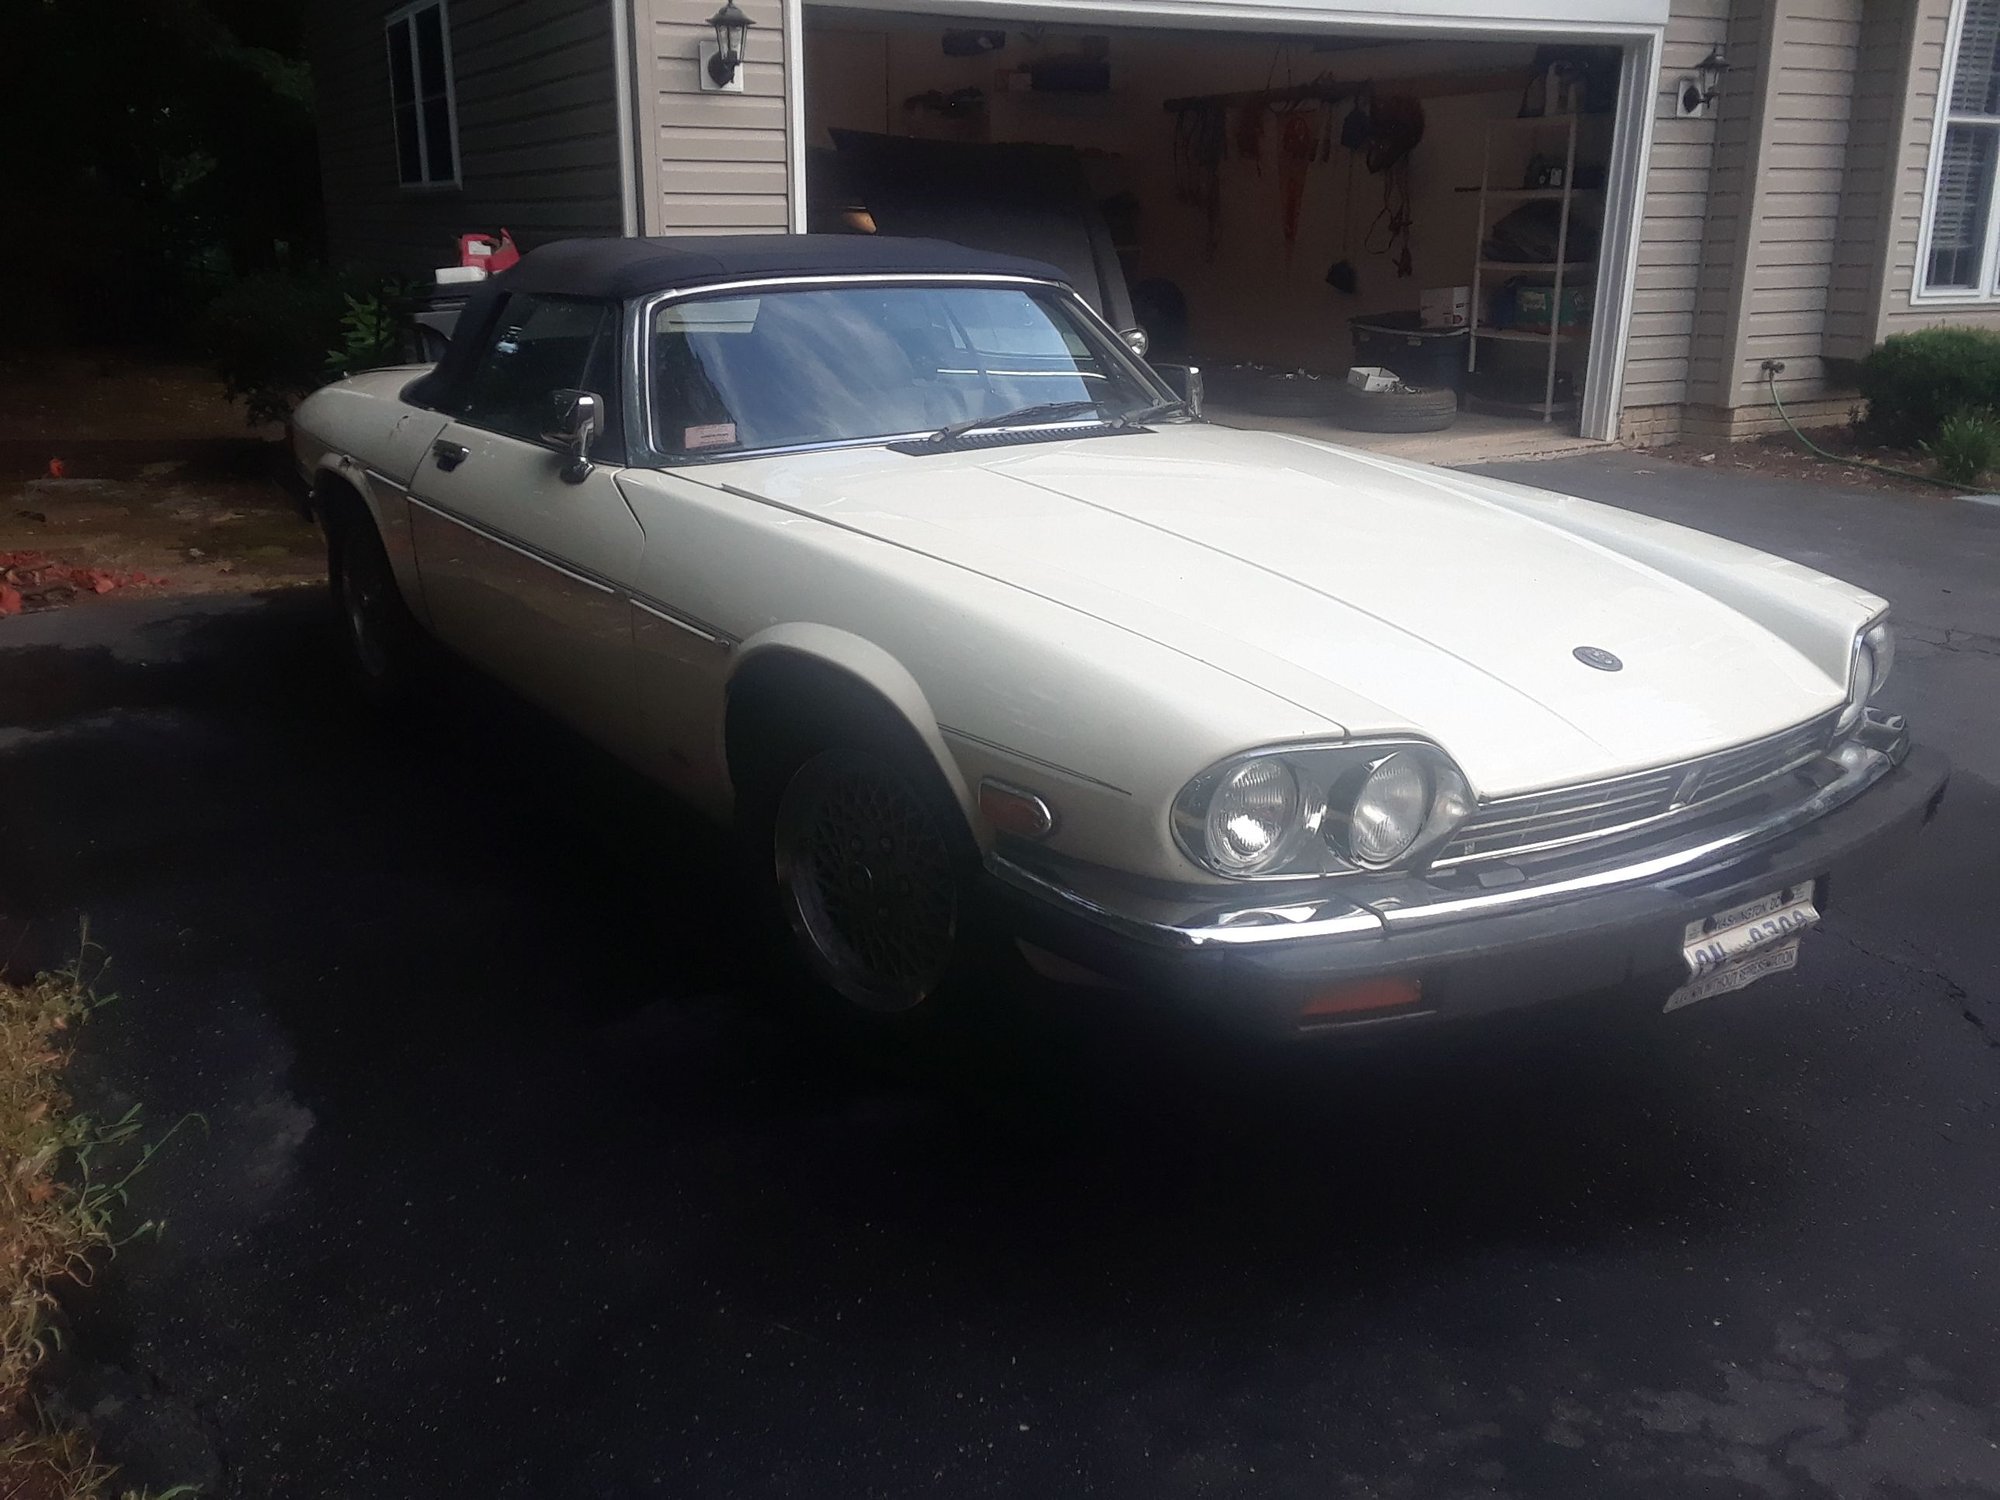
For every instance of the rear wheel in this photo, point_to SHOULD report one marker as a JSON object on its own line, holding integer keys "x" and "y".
{"x": 381, "y": 641}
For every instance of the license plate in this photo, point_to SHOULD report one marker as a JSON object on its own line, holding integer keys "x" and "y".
{"x": 1743, "y": 944}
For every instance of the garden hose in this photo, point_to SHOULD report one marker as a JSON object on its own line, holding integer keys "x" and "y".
{"x": 1771, "y": 380}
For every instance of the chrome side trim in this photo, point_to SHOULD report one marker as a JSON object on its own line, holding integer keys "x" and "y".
{"x": 1861, "y": 762}
{"x": 713, "y": 634}
{"x": 533, "y": 554}
{"x": 1032, "y": 760}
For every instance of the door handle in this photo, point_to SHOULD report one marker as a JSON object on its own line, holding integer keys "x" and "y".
{"x": 449, "y": 455}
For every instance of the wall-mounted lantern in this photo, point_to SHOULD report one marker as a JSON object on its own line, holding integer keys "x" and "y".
{"x": 722, "y": 59}
{"x": 1695, "y": 95}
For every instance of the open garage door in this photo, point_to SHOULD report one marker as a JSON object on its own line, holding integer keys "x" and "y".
{"x": 1281, "y": 203}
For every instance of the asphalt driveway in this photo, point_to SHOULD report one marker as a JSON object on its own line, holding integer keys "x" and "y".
{"x": 513, "y": 1187}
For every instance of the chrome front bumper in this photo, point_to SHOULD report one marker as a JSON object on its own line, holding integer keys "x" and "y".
{"x": 1584, "y": 924}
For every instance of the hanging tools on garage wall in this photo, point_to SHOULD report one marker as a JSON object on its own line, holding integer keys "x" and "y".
{"x": 1199, "y": 133}
{"x": 1341, "y": 275}
{"x": 1395, "y": 126}
{"x": 1298, "y": 144}
{"x": 1383, "y": 130}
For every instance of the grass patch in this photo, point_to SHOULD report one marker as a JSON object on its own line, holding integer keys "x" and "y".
{"x": 63, "y": 1180}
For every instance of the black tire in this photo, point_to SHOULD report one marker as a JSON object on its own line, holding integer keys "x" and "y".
{"x": 1430, "y": 410}
{"x": 381, "y": 641}
{"x": 834, "y": 820}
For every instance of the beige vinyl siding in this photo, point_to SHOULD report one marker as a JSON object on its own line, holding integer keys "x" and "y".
{"x": 710, "y": 163}
{"x": 537, "y": 130}
{"x": 1860, "y": 245}
{"x": 1672, "y": 218}
{"x": 1729, "y": 226}
{"x": 1814, "y": 56}
{"x": 1925, "y": 81}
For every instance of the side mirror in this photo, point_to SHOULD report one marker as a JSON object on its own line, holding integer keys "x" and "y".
{"x": 575, "y": 420}
{"x": 1185, "y": 382}
{"x": 1136, "y": 340}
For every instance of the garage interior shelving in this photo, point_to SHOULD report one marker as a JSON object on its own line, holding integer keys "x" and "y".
{"x": 1280, "y": 237}
{"x": 1562, "y": 271}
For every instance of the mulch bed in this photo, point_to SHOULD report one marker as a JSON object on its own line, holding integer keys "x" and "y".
{"x": 1780, "y": 456}
{"x": 34, "y": 580}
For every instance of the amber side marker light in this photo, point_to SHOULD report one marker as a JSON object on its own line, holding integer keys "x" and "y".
{"x": 1016, "y": 810}
{"x": 1359, "y": 998}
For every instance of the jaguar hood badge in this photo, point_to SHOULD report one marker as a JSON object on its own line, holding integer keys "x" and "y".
{"x": 1598, "y": 657}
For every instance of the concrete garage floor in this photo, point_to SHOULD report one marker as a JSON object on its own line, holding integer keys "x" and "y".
{"x": 514, "y": 1189}
{"x": 1472, "y": 438}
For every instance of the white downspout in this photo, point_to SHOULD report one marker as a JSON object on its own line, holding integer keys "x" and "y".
{"x": 1618, "y": 259}
{"x": 623, "y": 70}
{"x": 795, "y": 114}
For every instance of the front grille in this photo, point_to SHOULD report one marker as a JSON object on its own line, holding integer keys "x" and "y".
{"x": 1568, "y": 816}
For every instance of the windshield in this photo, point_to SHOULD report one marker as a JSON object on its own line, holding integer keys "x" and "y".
{"x": 778, "y": 369}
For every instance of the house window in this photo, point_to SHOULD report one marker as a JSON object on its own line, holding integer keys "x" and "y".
{"x": 1962, "y": 228}
{"x": 421, "y": 95}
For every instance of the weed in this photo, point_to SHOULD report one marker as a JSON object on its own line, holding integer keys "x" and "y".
{"x": 1967, "y": 446}
{"x": 63, "y": 1179}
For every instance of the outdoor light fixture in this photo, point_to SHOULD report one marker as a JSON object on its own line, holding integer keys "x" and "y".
{"x": 723, "y": 59}
{"x": 1698, "y": 92}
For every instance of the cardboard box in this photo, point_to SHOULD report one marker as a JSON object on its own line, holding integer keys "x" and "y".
{"x": 1445, "y": 307}
{"x": 1372, "y": 378}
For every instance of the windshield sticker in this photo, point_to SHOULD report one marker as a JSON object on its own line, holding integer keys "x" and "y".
{"x": 716, "y": 435}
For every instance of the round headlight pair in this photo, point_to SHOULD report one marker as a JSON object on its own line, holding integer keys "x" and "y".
{"x": 1316, "y": 809}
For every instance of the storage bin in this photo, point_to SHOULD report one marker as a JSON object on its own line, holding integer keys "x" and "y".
{"x": 1429, "y": 358}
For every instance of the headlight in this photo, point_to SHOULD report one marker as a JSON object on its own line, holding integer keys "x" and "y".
{"x": 1252, "y": 814}
{"x": 1321, "y": 809}
{"x": 1880, "y": 643}
{"x": 1389, "y": 811}
{"x": 1874, "y": 658}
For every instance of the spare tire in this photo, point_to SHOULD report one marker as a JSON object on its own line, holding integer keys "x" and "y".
{"x": 1403, "y": 410}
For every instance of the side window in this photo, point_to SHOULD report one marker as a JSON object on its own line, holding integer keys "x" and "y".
{"x": 540, "y": 345}
{"x": 421, "y": 96}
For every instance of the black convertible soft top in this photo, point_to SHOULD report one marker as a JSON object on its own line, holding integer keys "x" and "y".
{"x": 633, "y": 267}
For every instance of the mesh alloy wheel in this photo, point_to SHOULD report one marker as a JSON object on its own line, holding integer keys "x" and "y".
{"x": 867, "y": 879}
{"x": 364, "y": 600}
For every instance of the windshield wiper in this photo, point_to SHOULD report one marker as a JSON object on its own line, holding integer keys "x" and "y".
{"x": 1046, "y": 411}
{"x": 1173, "y": 406}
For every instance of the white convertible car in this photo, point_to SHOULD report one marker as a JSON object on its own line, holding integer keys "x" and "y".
{"x": 897, "y": 556}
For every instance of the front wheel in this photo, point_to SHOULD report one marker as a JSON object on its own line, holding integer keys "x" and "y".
{"x": 382, "y": 643}
{"x": 870, "y": 871}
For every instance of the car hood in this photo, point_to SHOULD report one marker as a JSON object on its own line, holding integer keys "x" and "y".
{"x": 1378, "y": 595}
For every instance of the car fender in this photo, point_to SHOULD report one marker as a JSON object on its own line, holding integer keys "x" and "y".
{"x": 873, "y": 668}
{"x": 387, "y": 505}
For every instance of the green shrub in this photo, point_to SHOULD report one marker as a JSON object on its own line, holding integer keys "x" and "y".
{"x": 278, "y": 336}
{"x": 371, "y": 333}
{"x": 267, "y": 336}
{"x": 1914, "y": 381}
{"x": 1967, "y": 446}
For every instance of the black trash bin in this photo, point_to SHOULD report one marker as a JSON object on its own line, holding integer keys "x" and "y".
{"x": 1429, "y": 358}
